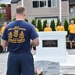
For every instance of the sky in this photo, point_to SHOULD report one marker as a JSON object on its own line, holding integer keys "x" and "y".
{"x": 5, "y": 1}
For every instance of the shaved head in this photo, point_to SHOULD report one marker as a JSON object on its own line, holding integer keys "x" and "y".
{"x": 20, "y": 13}
{"x": 72, "y": 21}
{"x": 20, "y": 10}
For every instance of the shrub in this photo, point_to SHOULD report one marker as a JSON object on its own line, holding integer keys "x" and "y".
{"x": 39, "y": 24}
{"x": 33, "y": 22}
{"x": 52, "y": 25}
{"x": 26, "y": 19}
{"x": 14, "y": 19}
{"x": 2, "y": 15}
{"x": 58, "y": 22}
{"x": 3, "y": 5}
{"x": 66, "y": 24}
{"x": 44, "y": 24}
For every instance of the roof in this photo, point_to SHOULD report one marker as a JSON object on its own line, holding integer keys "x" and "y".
{"x": 64, "y": 0}
{"x": 5, "y": 1}
{"x": 72, "y": 2}
{"x": 15, "y": 1}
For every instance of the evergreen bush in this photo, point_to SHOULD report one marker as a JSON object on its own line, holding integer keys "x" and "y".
{"x": 52, "y": 25}
{"x": 58, "y": 22}
{"x": 66, "y": 24}
{"x": 14, "y": 19}
{"x": 39, "y": 24}
{"x": 33, "y": 22}
{"x": 44, "y": 24}
{"x": 26, "y": 19}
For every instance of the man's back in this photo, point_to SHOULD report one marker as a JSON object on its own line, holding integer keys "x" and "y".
{"x": 19, "y": 34}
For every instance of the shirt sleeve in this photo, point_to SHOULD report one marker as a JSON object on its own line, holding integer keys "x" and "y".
{"x": 33, "y": 33}
{"x": 4, "y": 35}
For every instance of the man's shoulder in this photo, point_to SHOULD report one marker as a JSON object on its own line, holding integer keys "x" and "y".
{"x": 26, "y": 23}
{"x": 10, "y": 23}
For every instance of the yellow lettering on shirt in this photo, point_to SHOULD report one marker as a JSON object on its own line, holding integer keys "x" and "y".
{"x": 16, "y": 36}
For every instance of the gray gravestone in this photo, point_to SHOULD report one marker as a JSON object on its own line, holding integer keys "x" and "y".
{"x": 48, "y": 67}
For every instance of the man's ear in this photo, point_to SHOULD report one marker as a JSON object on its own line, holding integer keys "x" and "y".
{"x": 25, "y": 14}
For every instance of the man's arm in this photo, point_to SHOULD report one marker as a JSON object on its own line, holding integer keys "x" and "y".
{"x": 4, "y": 43}
{"x": 35, "y": 42}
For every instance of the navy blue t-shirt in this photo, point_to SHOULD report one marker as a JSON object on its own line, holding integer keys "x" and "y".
{"x": 18, "y": 34}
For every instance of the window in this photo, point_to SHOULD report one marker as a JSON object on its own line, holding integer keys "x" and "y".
{"x": 35, "y": 4}
{"x": 53, "y": 3}
{"x": 71, "y": 10}
{"x": 44, "y": 3}
{"x": 49, "y": 3}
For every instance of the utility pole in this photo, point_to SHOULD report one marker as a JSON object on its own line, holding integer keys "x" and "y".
{"x": 60, "y": 11}
{"x": 22, "y": 1}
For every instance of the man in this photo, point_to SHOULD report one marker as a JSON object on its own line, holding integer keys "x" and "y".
{"x": 3, "y": 28}
{"x": 37, "y": 30}
{"x": 17, "y": 37}
{"x": 47, "y": 28}
{"x": 60, "y": 27}
{"x": 71, "y": 29}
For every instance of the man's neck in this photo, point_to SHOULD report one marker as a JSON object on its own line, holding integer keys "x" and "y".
{"x": 72, "y": 24}
{"x": 19, "y": 18}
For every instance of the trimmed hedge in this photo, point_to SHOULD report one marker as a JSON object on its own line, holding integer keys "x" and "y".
{"x": 39, "y": 24}
{"x": 52, "y": 25}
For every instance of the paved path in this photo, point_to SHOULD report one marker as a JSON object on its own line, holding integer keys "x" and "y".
{"x": 3, "y": 63}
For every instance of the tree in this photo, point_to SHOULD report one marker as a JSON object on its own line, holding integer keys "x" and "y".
{"x": 39, "y": 24}
{"x": 44, "y": 24}
{"x": 52, "y": 25}
{"x": 26, "y": 19}
{"x": 66, "y": 24}
{"x": 33, "y": 22}
{"x": 3, "y": 5}
{"x": 2, "y": 15}
{"x": 58, "y": 22}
